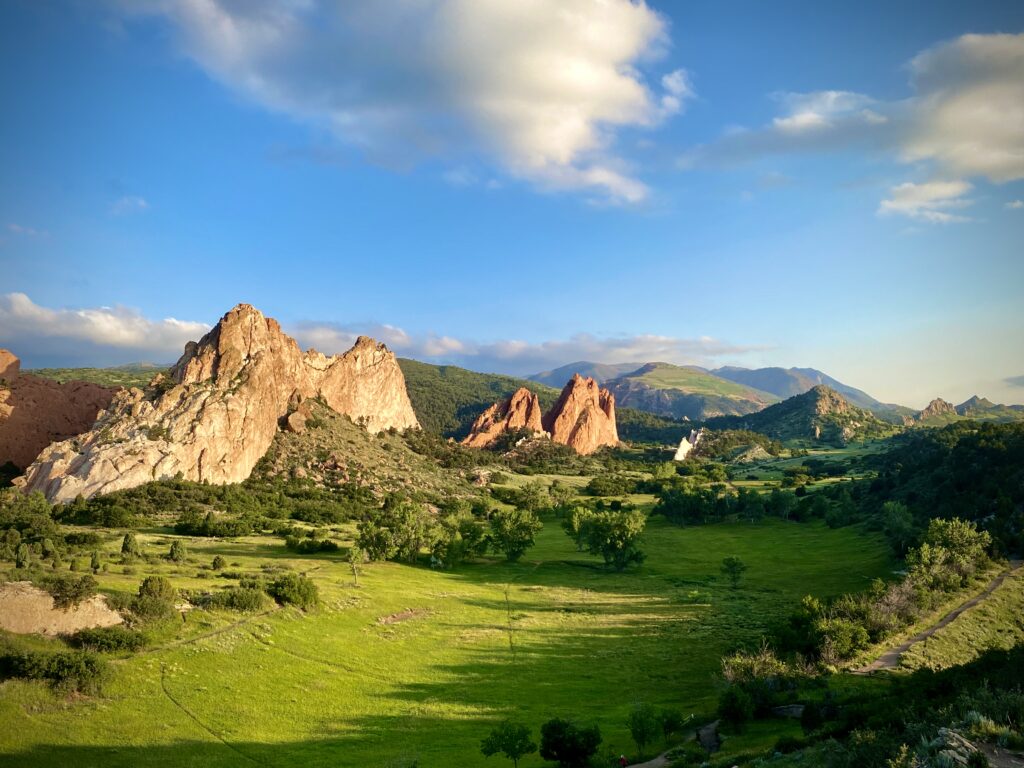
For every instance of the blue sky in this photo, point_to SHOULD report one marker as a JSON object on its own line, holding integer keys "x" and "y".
{"x": 512, "y": 187}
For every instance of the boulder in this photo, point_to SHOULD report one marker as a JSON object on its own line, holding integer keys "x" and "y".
{"x": 584, "y": 417}
{"x": 217, "y": 414}
{"x": 520, "y": 411}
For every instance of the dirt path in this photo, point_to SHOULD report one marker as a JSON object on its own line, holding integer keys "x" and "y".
{"x": 891, "y": 658}
{"x": 706, "y": 734}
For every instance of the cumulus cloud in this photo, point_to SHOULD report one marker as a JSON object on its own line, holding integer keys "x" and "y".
{"x": 44, "y": 336}
{"x": 931, "y": 201}
{"x": 517, "y": 356}
{"x": 964, "y": 121}
{"x": 41, "y": 334}
{"x": 128, "y": 204}
{"x": 542, "y": 86}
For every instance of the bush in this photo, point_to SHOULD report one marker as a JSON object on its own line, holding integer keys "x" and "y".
{"x": 243, "y": 599}
{"x": 564, "y": 742}
{"x": 178, "y": 553}
{"x": 155, "y": 599}
{"x": 69, "y": 591}
{"x": 735, "y": 707}
{"x": 787, "y": 744}
{"x": 66, "y": 671}
{"x": 293, "y": 589}
{"x": 107, "y": 639}
{"x": 308, "y": 545}
{"x": 219, "y": 563}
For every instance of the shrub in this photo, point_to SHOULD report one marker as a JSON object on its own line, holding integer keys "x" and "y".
{"x": 219, "y": 563}
{"x": 69, "y": 591}
{"x": 293, "y": 589}
{"x": 155, "y": 599}
{"x": 787, "y": 744}
{"x": 178, "y": 553}
{"x": 244, "y": 599}
{"x": 735, "y": 707}
{"x": 66, "y": 671}
{"x": 107, "y": 639}
{"x": 130, "y": 546}
{"x": 564, "y": 742}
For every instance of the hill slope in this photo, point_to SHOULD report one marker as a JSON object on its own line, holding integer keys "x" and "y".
{"x": 786, "y": 382}
{"x": 939, "y": 413}
{"x": 820, "y": 415}
{"x": 599, "y": 372}
{"x": 686, "y": 392}
{"x": 448, "y": 399}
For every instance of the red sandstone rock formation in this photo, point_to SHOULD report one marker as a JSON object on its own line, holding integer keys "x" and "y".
{"x": 584, "y": 416}
{"x": 520, "y": 411}
{"x": 220, "y": 412}
{"x": 35, "y": 412}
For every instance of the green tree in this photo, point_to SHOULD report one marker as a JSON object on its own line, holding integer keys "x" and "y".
{"x": 178, "y": 553}
{"x": 513, "y": 532}
{"x": 533, "y": 497}
{"x": 218, "y": 563}
{"x": 356, "y": 558}
{"x": 130, "y": 547}
{"x": 733, "y": 568}
{"x": 616, "y": 536}
{"x": 966, "y": 545}
{"x": 23, "y": 556}
{"x": 575, "y": 526}
{"x": 510, "y": 739}
{"x": 735, "y": 707}
{"x": 565, "y": 743}
{"x": 95, "y": 562}
{"x": 644, "y": 726}
{"x": 898, "y": 526}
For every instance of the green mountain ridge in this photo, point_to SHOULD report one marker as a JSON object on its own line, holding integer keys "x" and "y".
{"x": 820, "y": 415}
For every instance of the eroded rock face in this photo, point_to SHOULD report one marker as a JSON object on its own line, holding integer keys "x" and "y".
{"x": 936, "y": 407}
{"x": 520, "y": 411}
{"x": 217, "y": 414}
{"x": 35, "y": 412}
{"x": 584, "y": 416}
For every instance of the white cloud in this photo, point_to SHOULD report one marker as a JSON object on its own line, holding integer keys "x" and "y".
{"x": 128, "y": 204}
{"x": 965, "y": 119}
{"x": 823, "y": 109}
{"x": 28, "y": 328}
{"x": 969, "y": 115}
{"x": 931, "y": 201}
{"x": 109, "y": 335}
{"x": 542, "y": 86}
{"x": 18, "y": 229}
{"x": 517, "y": 356}
{"x": 1014, "y": 205}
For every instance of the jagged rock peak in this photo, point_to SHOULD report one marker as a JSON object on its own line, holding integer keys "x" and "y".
{"x": 519, "y": 411}
{"x": 217, "y": 413}
{"x": 35, "y": 411}
{"x": 827, "y": 400}
{"x": 936, "y": 407}
{"x": 584, "y": 416}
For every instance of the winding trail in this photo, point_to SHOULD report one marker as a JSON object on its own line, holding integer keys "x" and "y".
{"x": 706, "y": 734}
{"x": 891, "y": 659}
{"x": 191, "y": 716}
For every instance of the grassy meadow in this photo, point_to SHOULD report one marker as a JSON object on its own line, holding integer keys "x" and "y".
{"x": 415, "y": 665}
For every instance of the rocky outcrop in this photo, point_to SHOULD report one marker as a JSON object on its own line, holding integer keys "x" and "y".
{"x": 521, "y": 411}
{"x": 35, "y": 412}
{"x": 217, "y": 413}
{"x": 584, "y": 416}
{"x": 937, "y": 407}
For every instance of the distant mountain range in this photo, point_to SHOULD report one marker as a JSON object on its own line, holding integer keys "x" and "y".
{"x": 940, "y": 412}
{"x": 696, "y": 393}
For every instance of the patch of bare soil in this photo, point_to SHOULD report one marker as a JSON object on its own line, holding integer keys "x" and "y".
{"x": 26, "y": 609}
{"x": 408, "y": 613}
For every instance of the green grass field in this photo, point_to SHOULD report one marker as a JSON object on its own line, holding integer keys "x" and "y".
{"x": 697, "y": 382}
{"x": 417, "y": 664}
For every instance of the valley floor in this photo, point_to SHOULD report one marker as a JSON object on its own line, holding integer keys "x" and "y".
{"x": 417, "y": 665}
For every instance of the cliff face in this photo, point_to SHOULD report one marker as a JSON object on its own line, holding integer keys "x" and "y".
{"x": 584, "y": 416}
{"x": 35, "y": 412}
{"x": 520, "y": 411}
{"x": 217, "y": 414}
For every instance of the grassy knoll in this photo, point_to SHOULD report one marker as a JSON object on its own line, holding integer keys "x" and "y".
{"x": 119, "y": 376}
{"x": 996, "y": 622}
{"x": 417, "y": 664}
